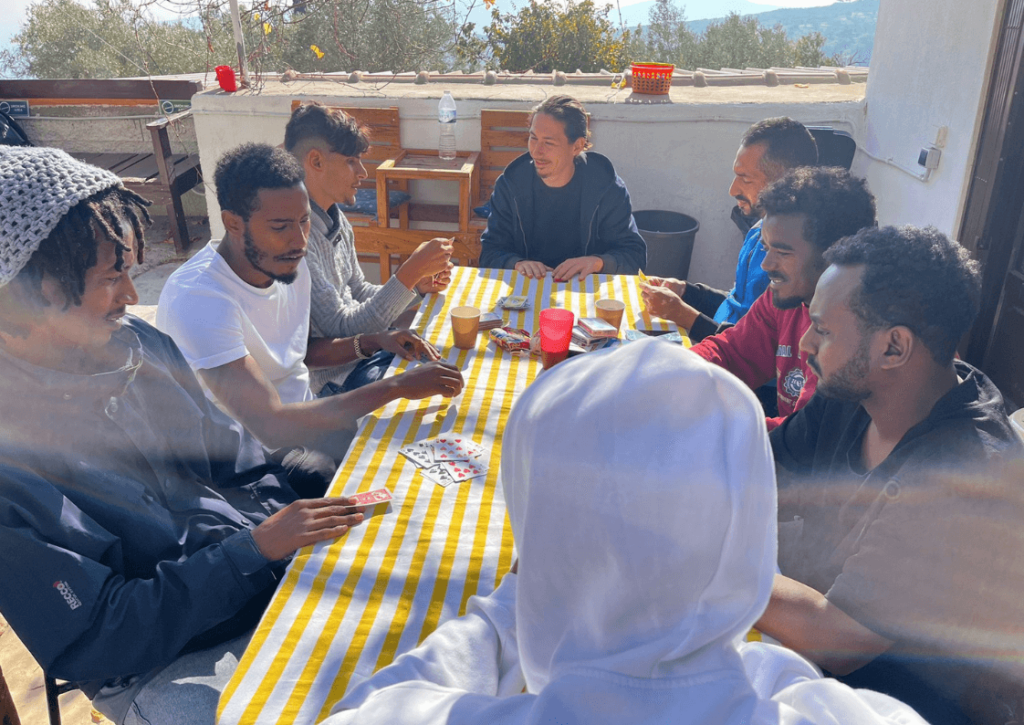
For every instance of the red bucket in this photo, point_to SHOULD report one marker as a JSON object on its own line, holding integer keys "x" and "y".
{"x": 226, "y": 78}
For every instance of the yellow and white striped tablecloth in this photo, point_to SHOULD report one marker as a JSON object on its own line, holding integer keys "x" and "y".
{"x": 348, "y": 608}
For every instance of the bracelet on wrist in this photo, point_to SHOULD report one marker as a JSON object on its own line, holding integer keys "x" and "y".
{"x": 358, "y": 348}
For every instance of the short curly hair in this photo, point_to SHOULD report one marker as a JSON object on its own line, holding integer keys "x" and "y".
{"x": 316, "y": 124}
{"x": 914, "y": 277}
{"x": 788, "y": 145}
{"x": 835, "y": 204}
{"x": 245, "y": 170}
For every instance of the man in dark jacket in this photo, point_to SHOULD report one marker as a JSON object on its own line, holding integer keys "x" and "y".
{"x": 560, "y": 209}
{"x": 143, "y": 531}
{"x": 900, "y": 496}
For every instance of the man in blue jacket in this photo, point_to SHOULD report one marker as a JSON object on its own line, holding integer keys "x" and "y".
{"x": 143, "y": 531}
{"x": 768, "y": 151}
{"x": 560, "y": 209}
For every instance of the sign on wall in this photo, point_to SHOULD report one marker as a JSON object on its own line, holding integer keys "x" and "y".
{"x": 15, "y": 109}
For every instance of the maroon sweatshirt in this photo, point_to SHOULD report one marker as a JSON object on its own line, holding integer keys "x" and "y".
{"x": 765, "y": 345}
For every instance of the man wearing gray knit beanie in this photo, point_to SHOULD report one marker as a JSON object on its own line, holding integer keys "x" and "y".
{"x": 143, "y": 530}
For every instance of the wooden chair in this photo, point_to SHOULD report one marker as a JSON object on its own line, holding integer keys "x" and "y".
{"x": 503, "y": 138}
{"x": 375, "y": 239}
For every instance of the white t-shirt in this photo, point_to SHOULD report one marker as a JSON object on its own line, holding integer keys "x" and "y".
{"x": 216, "y": 318}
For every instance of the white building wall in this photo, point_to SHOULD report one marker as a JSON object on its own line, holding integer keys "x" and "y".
{"x": 675, "y": 156}
{"x": 929, "y": 70}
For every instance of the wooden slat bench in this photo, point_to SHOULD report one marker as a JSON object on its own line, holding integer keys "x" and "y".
{"x": 161, "y": 177}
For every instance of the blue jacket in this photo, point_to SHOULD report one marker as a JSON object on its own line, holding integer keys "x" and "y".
{"x": 607, "y": 228}
{"x": 751, "y": 280}
{"x": 127, "y": 503}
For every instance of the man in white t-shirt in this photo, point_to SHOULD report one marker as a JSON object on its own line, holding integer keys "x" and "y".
{"x": 239, "y": 311}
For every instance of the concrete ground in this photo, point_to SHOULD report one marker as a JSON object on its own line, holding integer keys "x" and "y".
{"x": 24, "y": 677}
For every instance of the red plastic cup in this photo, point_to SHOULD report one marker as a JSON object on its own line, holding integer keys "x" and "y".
{"x": 555, "y": 335}
{"x": 226, "y": 78}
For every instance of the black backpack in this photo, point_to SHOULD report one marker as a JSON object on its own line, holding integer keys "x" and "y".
{"x": 11, "y": 134}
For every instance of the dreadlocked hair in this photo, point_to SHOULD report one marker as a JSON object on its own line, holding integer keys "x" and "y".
{"x": 71, "y": 248}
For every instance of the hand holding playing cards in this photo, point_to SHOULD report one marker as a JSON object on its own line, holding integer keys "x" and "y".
{"x": 438, "y": 283}
{"x": 304, "y": 522}
{"x": 407, "y": 345}
{"x": 429, "y": 259}
{"x": 676, "y": 285}
{"x": 432, "y": 378}
{"x": 664, "y": 303}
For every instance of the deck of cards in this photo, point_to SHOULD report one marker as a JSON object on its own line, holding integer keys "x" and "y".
{"x": 447, "y": 459}
{"x": 514, "y": 302}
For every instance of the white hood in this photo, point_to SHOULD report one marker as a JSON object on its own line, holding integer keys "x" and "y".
{"x": 641, "y": 491}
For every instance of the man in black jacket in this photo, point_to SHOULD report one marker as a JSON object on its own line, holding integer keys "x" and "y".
{"x": 560, "y": 209}
{"x": 899, "y": 488}
{"x": 143, "y": 531}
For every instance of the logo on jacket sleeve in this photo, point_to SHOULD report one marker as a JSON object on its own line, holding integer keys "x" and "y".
{"x": 69, "y": 596}
{"x": 793, "y": 383}
{"x": 784, "y": 351}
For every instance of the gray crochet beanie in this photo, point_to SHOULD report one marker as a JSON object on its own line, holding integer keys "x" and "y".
{"x": 38, "y": 186}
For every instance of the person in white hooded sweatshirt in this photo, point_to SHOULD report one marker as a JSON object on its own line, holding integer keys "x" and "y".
{"x": 641, "y": 491}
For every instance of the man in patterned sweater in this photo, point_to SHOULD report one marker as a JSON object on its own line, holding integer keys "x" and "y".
{"x": 328, "y": 143}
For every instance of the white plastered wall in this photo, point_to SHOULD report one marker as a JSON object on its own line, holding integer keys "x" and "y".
{"x": 929, "y": 70}
{"x": 675, "y": 156}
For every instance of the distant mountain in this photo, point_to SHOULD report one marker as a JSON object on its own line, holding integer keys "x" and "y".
{"x": 635, "y": 14}
{"x": 849, "y": 27}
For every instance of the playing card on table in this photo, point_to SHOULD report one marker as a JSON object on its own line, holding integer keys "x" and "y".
{"x": 514, "y": 302}
{"x": 455, "y": 448}
{"x": 421, "y": 454}
{"x": 463, "y": 470}
{"x": 371, "y": 498}
{"x": 438, "y": 475}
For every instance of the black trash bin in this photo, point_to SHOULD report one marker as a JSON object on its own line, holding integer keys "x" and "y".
{"x": 669, "y": 236}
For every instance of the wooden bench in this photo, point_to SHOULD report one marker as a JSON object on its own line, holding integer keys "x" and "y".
{"x": 375, "y": 239}
{"x": 160, "y": 176}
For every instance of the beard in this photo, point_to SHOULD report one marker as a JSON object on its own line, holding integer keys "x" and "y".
{"x": 257, "y": 258}
{"x": 786, "y": 303}
{"x": 846, "y": 384}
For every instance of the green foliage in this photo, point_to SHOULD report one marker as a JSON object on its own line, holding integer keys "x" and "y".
{"x": 62, "y": 39}
{"x": 545, "y": 36}
{"x": 116, "y": 38}
{"x": 734, "y": 42}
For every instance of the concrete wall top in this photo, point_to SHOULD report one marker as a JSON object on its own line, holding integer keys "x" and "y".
{"x": 674, "y": 154}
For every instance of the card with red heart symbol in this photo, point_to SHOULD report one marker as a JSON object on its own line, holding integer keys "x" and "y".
{"x": 463, "y": 470}
{"x": 455, "y": 448}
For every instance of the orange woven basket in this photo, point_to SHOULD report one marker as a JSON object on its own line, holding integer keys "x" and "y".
{"x": 652, "y": 78}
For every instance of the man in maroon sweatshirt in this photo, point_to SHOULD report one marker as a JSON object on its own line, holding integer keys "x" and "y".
{"x": 806, "y": 211}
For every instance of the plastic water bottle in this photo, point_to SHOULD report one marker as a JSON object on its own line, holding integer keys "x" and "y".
{"x": 446, "y": 118}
